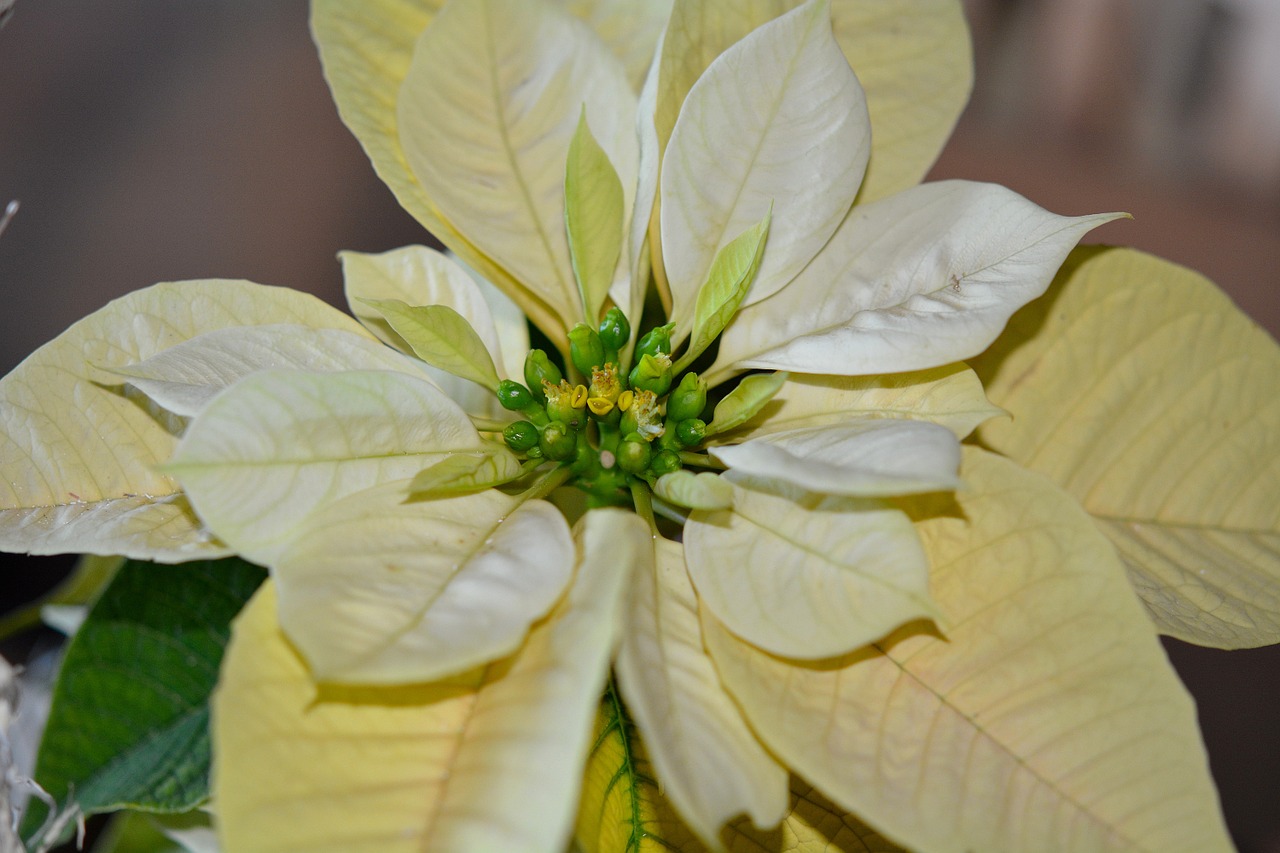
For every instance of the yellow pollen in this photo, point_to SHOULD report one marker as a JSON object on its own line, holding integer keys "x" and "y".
{"x": 624, "y": 400}
{"x": 600, "y": 405}
{"x": 579, "y": 398}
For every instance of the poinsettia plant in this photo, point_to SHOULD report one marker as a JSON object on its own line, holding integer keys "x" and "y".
{"x": 747, "y": 490}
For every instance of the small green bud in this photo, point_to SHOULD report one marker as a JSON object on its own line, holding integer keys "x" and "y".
{"x": 634, "y": 454}
{"x": 665, "y": 462}
{"x": 688, "y": 399}
{"x": 557, "y": 441}
{"x": 534, "y": 453}
{"x": 615, "y": 331}
{"x": 656, "y": 340}
{"x": 538, "y": 369}
{"x": 652, "y": 373}
{"x": 691, "y": 431}
{"x": 513, "y": 396}
{"x": 585, "y": 348}
{"x": 520, "y": 436}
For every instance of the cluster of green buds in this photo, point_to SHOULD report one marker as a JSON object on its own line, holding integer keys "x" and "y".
{"x": 614, "y": 423}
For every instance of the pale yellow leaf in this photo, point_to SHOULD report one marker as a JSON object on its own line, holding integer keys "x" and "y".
{"x": 279, "y": 445}
{"x": 365, "y": 51}
{"x": 78, "y": 452}
{"x": 466, "y": 472}
{"x": 443, "y": 338}
{"x": 915, "y": 63}
{"x": 710, "y": 765}
{"x": 486, "y": 113}
{"x": 1139, "y": 388}
{"x": 949, "y": 396}
{"x": 631, "y": 28}
{"x": 814, "y": 825}
{"x": 807, "y": 575}
{"x": 377, "y": 590}
{"x": 489, "y": 760}
{"x": 1048, "y": 719}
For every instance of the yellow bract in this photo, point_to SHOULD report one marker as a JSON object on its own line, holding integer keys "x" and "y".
{"x": 1138, "y": 387}
{"x": 487, "y": 760}
{"x": 1050, "y": 695}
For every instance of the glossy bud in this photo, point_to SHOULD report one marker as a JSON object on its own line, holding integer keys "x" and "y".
{"x": 634, "y": 454}
{"x": 656, "y": 340}
{"x": 652, "y": 373}
{"x": 585, "y": 348}
{"x": 688, "y": 399}
{"x": 520, "y": 436}
{"x": 557, "y": 441}
{"x": 665, "y": 462}
{"x": 513, "y": 396}
{"x": 691, "y": 431}
{"x": 615, "y": 331}
{"x": 538, "y": 369}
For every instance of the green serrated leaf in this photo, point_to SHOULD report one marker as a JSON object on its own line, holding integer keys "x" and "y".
{"x": 745, "y": 402}
{"x": 466, "y": 472}
{"x": 129, "y": 722}
{"x": 727, "y": 284}
{"x": 441, "y": 337}
{"x": 593, "y": 217}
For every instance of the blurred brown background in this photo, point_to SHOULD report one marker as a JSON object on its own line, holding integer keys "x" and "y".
{"x": 152, "y": 141}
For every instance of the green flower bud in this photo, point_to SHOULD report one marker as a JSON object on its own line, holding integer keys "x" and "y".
{"x": 652, "y": 373}
{"x": 615, "y": 331}
{"x": 665, "y": 462}
{"x": 538, "y": 369}
{"x": 691, "y": 431}
{"x": 656, "y": 340}
{"x": 557, "y": 441}
{"x": 520, "y": 436}
{"x": 688, "y": 399}
{"x": 585, "y": 349}
{"x": 634, "y": 454}
{"x": 513, "y": 396}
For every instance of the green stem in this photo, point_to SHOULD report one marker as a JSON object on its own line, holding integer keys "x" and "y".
{"x": 643, "y": 500}
{"x": 701, "y": 460}
{"x": 548, "y": 484}
{"x": 671, "y": 512}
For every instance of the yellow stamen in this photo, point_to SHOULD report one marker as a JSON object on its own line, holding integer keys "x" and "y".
{"x": 600, "y": 406}
{"x": 624, "y": 400}
{"x": 579, "y": 398}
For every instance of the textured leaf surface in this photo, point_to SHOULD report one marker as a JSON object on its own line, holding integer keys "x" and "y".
{"x": 486, "y": 115}
{"x": 631, "y": 28}
{"x": 711, "y": 765}
{"x": 807, "y": 575}
{"x": 375, "y": 590}
{"x": 867, "y": 457}
{"x": 184, "y": 378}
{"x": 730, "y": 277}
{"x": 443, "y": 338}
{"x": 1141, "y": 390}
{"x": 465, "y": 472}
{"x": 78, "y": 456}
{"x": 949, "y": 396}
{"x": 924, "y": 278}
{"x": 489, "y": 760}
{"x": 594, "y": 214}
{"x": 129, "y": 726}
{"x": 622, "y": 810}
{"x": 778, "y": 119}
{"x": 278, "y": 445}
{"x": 1048, "y": 719}
{"x": 745, "y": 401}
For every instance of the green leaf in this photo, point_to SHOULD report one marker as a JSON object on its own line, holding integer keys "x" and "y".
{"x": 727, "y": 283}
{"x": 593, "y": 218}
{"x": 1048, "y": 719}
{"x": 466, "y": 472}
{"x": 129, "y": 726}
{"x": 1141, "y": 390}
{"x": 441, "y": 337}
{"x": 805, "y": 575}
{"x": 745, "y": 401}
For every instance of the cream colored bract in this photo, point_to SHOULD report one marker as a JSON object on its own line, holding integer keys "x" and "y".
{"x": 801, "y": 573}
